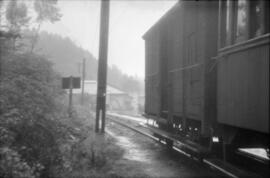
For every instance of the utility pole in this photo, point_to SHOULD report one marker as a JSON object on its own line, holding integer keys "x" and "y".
{"x": 102, "y": 65}
{"x": 83, "y": 78}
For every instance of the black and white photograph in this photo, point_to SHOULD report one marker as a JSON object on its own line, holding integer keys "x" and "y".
{"x": 134, "y": 88}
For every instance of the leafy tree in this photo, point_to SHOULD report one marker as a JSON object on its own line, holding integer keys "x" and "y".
{"x": 16, "y": 16}
{"x": 18, "y": 19}
{"x": 46, "y": 11}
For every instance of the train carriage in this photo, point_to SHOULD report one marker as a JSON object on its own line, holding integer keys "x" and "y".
{"x": 243, "y": 71}
{"x": 188, "y": 39}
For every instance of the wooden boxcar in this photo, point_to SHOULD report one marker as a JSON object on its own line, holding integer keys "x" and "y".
{"x": 179, "y": 51}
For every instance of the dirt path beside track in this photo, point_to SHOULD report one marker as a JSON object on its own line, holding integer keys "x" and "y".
{"x": 145, "y": 158}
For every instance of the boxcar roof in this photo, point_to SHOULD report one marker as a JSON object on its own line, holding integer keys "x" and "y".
{"x": 165, "y": 16}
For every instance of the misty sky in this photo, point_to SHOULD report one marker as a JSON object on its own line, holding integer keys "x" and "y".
{"x": 129, "y": 20}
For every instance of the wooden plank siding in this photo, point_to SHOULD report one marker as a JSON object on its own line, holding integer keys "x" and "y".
{"x": 176, "y": 62}
{"x": 152, "y": 46}
{"x": 188, "y": 40}
{"x": 243, "y": 87}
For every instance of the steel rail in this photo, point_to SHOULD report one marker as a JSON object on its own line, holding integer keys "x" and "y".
{"x": 208, "y": 163}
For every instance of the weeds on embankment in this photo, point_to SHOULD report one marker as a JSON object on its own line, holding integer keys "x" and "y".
{"x": 91, "y": 155}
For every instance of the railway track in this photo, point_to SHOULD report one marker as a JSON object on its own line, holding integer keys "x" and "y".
{"x": 140, "y": 126}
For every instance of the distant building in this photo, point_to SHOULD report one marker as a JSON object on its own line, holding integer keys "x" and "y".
{"x": 116, "y": 100}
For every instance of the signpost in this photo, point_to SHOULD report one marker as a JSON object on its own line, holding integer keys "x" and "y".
{"x": 70, "y": 83}
{"x": 83, "y": 78}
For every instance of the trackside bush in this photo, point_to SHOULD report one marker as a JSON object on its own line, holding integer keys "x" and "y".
{"x": 31, "y": 129}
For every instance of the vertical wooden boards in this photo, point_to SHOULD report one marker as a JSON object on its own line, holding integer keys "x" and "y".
{"x": 186, "y": 48}
{"x": 152, "y": 46}
{"x": 191, "y": 71}
{"x": 243, "y": 89}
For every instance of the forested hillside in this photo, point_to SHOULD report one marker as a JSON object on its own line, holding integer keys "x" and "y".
{"x": 67, "y": 58}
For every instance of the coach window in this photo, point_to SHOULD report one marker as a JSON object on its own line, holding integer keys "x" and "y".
{"x": 230, "y": 5}
{"x": 256, "y": 17}
{"x": 241, "y": 20}
{"x": 223, "y": 23}
{"x": 226, "y": 22}
{"x": 266, "y": 16}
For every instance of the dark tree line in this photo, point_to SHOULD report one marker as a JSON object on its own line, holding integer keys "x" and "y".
{"x": 67, "y": 57}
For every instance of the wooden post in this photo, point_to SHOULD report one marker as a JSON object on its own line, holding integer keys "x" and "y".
{"x": 83, "y": 78}
{"x": 70, "y": 96}
{"x": 102, "y": 65}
